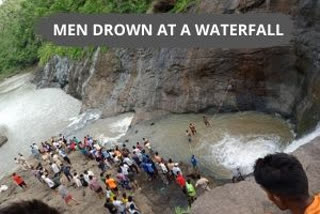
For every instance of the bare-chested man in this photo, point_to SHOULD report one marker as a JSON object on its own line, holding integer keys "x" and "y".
{"x": 192, "y": 128}
{"x": 206, "y": 121}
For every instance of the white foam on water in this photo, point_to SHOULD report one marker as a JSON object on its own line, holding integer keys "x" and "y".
{"x": 29, "y": 116}
{"x": 233, "y": 151}
{"x": 304, "y": 140}
{"x": 120, "y": 127}
{"x": 81, "y": 120}
{"x": 242, "y": 151}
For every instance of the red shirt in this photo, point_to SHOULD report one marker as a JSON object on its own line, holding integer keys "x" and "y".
{"x": 181, "y": 181}
{"x": 17, "y": 179}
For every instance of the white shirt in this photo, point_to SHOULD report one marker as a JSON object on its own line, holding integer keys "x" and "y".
{"x": 128, "y": 161}
{"x": 119, "y": 205}
{"x": 175, "y": 170}
{"x": 163, "y": 168}
{"x": 56, "y": 144}
{"x": 77, "y": 181}
{"x": 62, "y": 153}
{"x": 48, "y": 181}
{"x": 124, "y": 169}
{"x": 55, "y": 168}
{"x": 136, "y": 150}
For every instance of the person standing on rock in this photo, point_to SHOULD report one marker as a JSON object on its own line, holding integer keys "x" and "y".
{"x": 206, "y": 121}
{"x": 66, "y": 172}
{"x": 109, "y": 205}
{"x": 176, "y": 169}
{"x": 194, "y": 162}
{"x": 35, "y": 151}
{"x": 23, "y": 161}
{"x": 192, "y": 128}
{"x": 19, "y": 181}
{"x": 121, "y": 207}
{"x": 95, "y": 186}
{"x": 147, "y": 144}
{"x": 49, "y": 182}
{"x": 111, "y": 183}
{"x": 55, "y": 169}
{"x": 64, "y": 156}
{"x": 284, "y": 180}
{"x": 65, "y": 195}
{"x": 181, "y": 181}
{"x": 18, "y": 163}
{"x": 191, "y": 192}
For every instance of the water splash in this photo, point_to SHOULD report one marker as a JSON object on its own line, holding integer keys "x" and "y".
{"x": 82, "y": 120}
{"x": 240, "y": 151}
{"x": 304, "y": 140}
{"x": 120, "y": 127}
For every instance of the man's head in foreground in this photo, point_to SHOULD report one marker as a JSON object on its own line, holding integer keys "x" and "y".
{"x": 28, "y": 207}
{"x": 283, "y": 178}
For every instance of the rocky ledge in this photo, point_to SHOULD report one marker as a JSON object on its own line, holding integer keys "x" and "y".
{"x": 3, "y": 140}
{"x": 248, "y": 198}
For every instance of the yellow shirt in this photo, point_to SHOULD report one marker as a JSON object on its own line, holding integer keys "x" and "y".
{"x": 314, "y": 208}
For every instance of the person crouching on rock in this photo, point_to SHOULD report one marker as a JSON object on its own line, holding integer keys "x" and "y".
{"x": 286, "y": 184}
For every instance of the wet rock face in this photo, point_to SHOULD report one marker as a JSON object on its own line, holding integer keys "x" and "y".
{"x": 308, "y": 63}
{"x": 278, "y": 79}
{"x": 61, "y": 72}
{"x": 194, "y": 80}
{"x": 3, "y": 140}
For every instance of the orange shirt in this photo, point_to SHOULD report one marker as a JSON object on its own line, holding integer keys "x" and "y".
{"x": 314, "y": 208}
{"x": 111, "y": 183}
{"x": 17, "y": 179}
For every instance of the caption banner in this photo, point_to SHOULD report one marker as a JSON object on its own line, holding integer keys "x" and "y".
{"x": 168, "y": 30}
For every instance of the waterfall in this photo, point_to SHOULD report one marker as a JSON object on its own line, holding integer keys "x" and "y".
{"x": 303, "y": 140}
{"x": 234, "y": 151}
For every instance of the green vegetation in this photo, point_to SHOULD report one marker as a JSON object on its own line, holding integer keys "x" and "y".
{"x": 183, "y": 5}
{"x": 19, "y": 45}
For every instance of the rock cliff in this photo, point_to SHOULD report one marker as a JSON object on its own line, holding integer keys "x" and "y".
{"x": 152, "y": 82}
{"x": 3, "y": 140}
{"x": 248, "y": 198}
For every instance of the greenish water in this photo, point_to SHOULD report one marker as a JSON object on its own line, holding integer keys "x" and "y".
{"x": 234, "y": 140}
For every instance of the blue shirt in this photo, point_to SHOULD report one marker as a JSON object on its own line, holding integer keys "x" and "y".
{"x": 194, "y": 161}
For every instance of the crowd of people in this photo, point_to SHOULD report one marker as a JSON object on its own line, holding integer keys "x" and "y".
{"x": 119, "y": 167}
{"x": 280, "y": 175}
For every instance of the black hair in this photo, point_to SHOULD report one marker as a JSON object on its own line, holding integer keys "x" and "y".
{"x": 28, "y": 207}
{"x": 283, "y": 175}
